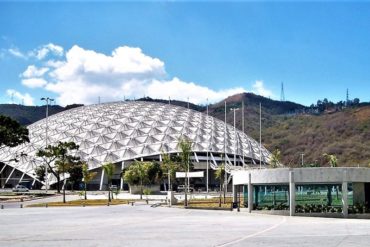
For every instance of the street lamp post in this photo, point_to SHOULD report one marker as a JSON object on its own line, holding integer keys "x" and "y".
{"x": 47, "y": 101}
{"x": 234, "y": 109}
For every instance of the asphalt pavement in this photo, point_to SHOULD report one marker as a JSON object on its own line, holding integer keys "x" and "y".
{"x": 142, "y": 225}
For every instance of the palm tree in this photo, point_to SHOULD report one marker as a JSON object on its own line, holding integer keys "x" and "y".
{"x": 169, "y": 166}
{"x": 185, "y": 147}
{"x": 109, "y": 170}
{"x": 220, "y": 174}
{"x": 87, "y": 176}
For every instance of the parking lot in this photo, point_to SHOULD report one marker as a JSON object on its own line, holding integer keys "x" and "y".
{"x": 142, "y": 225}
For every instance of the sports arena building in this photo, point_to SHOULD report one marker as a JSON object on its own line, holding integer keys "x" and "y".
{"x": 122, "y": 132}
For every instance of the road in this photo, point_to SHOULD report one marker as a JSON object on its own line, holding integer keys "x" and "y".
{"x": 145, "y": 226}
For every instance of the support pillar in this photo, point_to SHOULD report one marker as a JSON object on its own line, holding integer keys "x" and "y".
{"x": 250, "y": 194}
{"x": 20, "y": 180}
{"x": 291, "y": 194}
{"x": 11, "y": 173}
{"x": 345, "y": 199}
{"x": 235, "y": 193}
{"x": 101, "y": 179}
{"x": 345, "y": 194}
{"x": 122, "y": 167}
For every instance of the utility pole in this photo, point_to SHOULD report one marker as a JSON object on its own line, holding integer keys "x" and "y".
{"x": 225, "y": 177}
{"x": 260, "y": 136}
{"x": 209, "y": 147}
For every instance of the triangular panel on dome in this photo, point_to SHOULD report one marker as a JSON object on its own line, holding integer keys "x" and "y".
{"x": 169, "y": 138}
{"x": 111, "y": 157}
{"x": 120, "y": 136}
{"x": 75, "y": 139}
{"x": 91, "y": 134}
{"x": 148, "y": 150}
{"x": 141, "y": 139}
{"x": 93, "y": 163}
{"x": 152, "y": 139}
{"x": 108, "y": 130}
{"x": 129, "y": 154}
{"x": 116, "y": 145}
{"x": 133, "y": 142}
{"x": 84, "y": 144}
{"x": 103, "y": 139}
{"x": 158, "y": 130}
{"x": 98, "y": 150}
{"x": 97, "y": 125}
{"x": 146, "y": 124}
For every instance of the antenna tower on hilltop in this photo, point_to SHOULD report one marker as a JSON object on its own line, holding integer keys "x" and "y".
{"x": 347, "y": 98}
{"x": 282, "y": 94}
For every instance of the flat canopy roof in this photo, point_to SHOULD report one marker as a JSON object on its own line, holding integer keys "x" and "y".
{"x": 302, "y": 175}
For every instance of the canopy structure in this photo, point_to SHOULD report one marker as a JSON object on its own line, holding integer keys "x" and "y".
{"x": 123, "y": 131}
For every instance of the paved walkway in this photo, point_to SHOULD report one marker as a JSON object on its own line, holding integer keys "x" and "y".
{"x": 142, "y": 225}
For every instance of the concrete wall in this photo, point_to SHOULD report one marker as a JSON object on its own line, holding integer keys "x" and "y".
{"x": 134, "y": 189}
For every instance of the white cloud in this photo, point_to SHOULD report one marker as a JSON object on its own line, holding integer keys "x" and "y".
{"x": 259, "y": 88}
{"x": 34, "y": 82}
{"x": 181, "y": 90}
{"x": 44, "y": 50}
{"x": 24, "y": 98}
{"x": 17, "y": 53}
{"x": 84, "y": 75}
{"x": 33, "y": 71}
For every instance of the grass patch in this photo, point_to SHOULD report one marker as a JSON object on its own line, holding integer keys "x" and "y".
{"x": 80, "y": 203}
{"x": 211, "y": 203}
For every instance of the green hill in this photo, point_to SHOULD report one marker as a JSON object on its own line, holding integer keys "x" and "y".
{"x": 27, "y": 115}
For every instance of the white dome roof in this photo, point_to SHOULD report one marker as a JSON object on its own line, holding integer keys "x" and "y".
{"x": 120, "y": 131}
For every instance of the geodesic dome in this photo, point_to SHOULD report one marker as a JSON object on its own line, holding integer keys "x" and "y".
{"x": 122, "y": 131}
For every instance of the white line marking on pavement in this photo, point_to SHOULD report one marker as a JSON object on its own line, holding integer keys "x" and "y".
{"x": 254, "y": 234}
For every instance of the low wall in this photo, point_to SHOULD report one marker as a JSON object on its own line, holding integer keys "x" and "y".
{"x": 135, "y": 189}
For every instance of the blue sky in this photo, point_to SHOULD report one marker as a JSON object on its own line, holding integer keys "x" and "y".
{"x": 76, "y": 52}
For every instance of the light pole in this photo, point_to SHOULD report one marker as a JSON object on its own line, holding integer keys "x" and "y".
{"x": 234, "y": 109}
{"x": 207, "y": 180}
{"x": 47, "y": 101}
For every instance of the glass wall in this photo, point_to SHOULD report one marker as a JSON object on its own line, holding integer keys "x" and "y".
{"x": 322, "y": 194}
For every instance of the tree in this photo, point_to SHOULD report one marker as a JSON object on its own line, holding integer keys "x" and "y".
{"x": 88, "y": 176}
{"x": 332, "y": 159}
{"x": 171, "y": 167}
{"x": 65, "y": 163}
{"x": 58, "y": 159}
{"x": 138, "y": 174}
{"x": 219, "y": 175}
{"x": 75, "y": 175}
{"x": 12, "y": 133}
{"x": 40, "y": 173}
{"x": 185, "y": 147}
{"x": 275, "y": 158}
{"x": 109, "y": 170}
